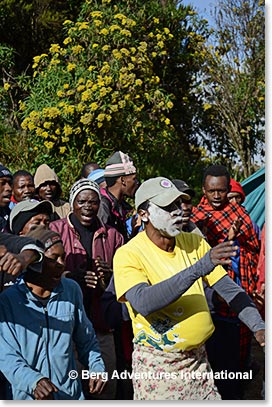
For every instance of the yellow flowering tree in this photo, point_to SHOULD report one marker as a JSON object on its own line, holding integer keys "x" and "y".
{"x": 121, "y": 79}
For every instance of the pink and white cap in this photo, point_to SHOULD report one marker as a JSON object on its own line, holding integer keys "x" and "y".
{"x": 119, "y": 164}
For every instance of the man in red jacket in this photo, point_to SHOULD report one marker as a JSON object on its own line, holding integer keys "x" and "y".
{"x": 90, "y": 245}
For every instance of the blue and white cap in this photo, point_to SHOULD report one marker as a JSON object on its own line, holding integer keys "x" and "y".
{"x": 97, "y": 175}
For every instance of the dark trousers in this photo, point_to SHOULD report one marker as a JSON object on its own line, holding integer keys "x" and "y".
{"x": 223, "y": 349}
{"x": 5, "y": 388}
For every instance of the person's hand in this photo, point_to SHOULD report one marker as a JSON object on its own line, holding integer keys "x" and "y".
{"x": 102, "y": 275}
{"x": 204, "y": 225}
{"x": 259, "y": 297}
{"x": 234, "y": 229}
{"x": 15, "y": 263}
{"x": 260, "y": 337}
{"x": 104, "y": 272}
{"x": 135, "y": 224}
{"x": 91, "y": 279}
{"x": 97, "y": 385}
{"x": 221, "y": 253}
{"x": 44, "y": 389}
{"x": 262, "y": 290}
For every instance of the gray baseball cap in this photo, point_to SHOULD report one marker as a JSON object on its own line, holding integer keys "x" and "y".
{"x": 160, "y": 190}
{"x": 25, "y": 210}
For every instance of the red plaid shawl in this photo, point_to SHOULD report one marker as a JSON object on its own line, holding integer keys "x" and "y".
{"x": 218, "y": 223}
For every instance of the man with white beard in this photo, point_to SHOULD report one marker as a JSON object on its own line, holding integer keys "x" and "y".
{"x": 159, "y": 274}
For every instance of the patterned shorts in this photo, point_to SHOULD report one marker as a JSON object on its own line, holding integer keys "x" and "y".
{"x": 159, "y": 375}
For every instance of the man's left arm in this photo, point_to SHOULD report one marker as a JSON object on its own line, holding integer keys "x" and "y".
{"x": 242, "y": 304}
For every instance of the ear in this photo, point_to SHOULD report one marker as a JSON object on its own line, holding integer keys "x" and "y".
{"x": 203, "y": 190}
{"x": 123, "y": 181}
{"x": 143, "y": 215}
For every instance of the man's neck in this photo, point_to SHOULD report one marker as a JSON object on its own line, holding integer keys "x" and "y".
{"x": 163, "y": 242}
{"x": 116, "y": 191}
{"x": 38, "y": 290}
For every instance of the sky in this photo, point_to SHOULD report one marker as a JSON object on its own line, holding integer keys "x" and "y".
{"x": 202, "y": 6}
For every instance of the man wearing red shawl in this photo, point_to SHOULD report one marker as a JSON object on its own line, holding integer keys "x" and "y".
{"x": 229, "y": 347}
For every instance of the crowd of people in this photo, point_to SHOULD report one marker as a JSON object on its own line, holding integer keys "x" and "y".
{"x": 102, "y": 299}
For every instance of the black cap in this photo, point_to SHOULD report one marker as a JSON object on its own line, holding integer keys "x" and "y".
{"x": 5, "y": 172}
{"x": 183, "y": 187}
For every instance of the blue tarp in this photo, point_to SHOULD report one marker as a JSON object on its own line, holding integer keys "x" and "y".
{"x": 254, "y": 188}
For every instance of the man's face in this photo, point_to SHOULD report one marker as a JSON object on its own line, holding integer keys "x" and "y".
{"x": 23, "y": 188}
{"x": 5, "y": 191}
{"x": 85, "y": 206}
{"x": 168, "y": 220}
{"x": 131, "y": 184}
{"x": 187, "y": 210}
{"x": 41, "y": 219}
{"x": 53, "y": 266}
{"x": 235, "y": 197}
{"x": 216, "y": 191}
{"x": 48, "y": 190}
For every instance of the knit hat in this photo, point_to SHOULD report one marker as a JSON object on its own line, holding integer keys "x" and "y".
{"x": 81, "y": 185}
{"x": 97, "y": 176}
{"x": 119, "y": 164}
{"x": 47, "y": 236}
{"x": 237, "y": 187}
{"x": 161, "y": 191}
{"x": 5, "y": 172}
{"x": 183, "y": 187}
{"x": 44, "y": 174}
{"x": 23, "y": 211}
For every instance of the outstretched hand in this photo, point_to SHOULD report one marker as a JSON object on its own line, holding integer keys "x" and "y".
{"x": 222, "y": 253}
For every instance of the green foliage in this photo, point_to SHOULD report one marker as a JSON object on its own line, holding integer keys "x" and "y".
{"x": 30, "y": 26}
{"x": 233, "y": 84}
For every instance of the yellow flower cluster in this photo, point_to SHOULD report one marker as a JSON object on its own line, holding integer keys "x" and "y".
{"x": 7, "y": 86}
{"x": 103, "y": 79}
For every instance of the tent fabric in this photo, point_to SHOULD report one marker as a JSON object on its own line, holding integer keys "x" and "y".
{"x": 254, "y": 188}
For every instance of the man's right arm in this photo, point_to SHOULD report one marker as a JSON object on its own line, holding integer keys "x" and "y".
{"x": 19, "y": 252}
{"x": 16, "y": 244}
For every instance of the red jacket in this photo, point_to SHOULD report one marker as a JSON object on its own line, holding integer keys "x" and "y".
{"x": 106, "y": 241}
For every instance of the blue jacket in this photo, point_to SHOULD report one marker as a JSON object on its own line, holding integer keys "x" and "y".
{"x": 37, "y": 341}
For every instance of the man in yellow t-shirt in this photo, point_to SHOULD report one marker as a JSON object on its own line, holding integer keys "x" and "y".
{"x": 159, "y": 274}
